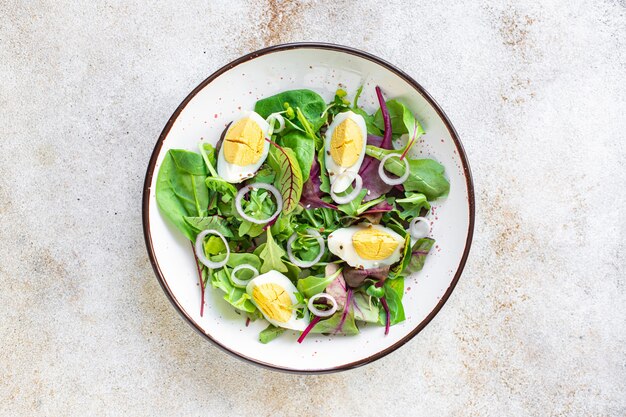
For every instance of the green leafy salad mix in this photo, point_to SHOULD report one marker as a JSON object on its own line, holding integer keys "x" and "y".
{"x": 304, "y": 214}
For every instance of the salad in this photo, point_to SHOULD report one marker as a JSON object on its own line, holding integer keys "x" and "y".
{"x": 307, "y": 214}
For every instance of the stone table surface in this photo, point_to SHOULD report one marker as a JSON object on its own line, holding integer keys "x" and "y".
{"x": 537, "y": 92}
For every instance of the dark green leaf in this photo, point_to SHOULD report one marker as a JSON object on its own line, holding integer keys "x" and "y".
{"x": 180, "y": 189}
{"x": 310, "y": 103}
{"x": 426, "y": 175}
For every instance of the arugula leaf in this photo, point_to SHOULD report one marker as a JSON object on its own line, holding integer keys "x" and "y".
{"x": 303, "y": 148}
{"x": 351, "y": 208}
{"x": 198, "y": 224}
{"x": 288, "y": 176}
{"x": 270, "y": 333}
{"x": 310, "y": 103}
{"x": 180, "y": 189}
{"x": 271, "y": 255}
{"x": 412, "y": 205}
{"x": 265, "y": 174}
{"x": 406, "y": 256}
{"x": 425, "y": 176}
{"x": 314, "y": 285}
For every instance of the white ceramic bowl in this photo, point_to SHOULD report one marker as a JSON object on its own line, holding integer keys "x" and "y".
{"x": 322, "y": 68}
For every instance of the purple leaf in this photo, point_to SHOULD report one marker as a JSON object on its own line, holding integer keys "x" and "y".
{"x": 369, "y": 171}
{"x": 337, "y": 289}
{"x": 386, "y": 144}
{"x": 356, "y": 277}
{"x": 311, "y": 189}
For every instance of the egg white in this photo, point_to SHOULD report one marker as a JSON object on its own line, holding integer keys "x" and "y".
{"x": 275, "y": 277}
{"x": 340, "y": 244}
{"x": 335, "y": 171}
{"x": 236, "y": 173}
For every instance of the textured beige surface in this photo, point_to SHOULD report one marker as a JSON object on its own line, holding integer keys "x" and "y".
{"x": 537, "y": 325}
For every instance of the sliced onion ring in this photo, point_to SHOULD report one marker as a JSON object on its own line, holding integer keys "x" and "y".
{"x": 281, "y": 123}
{"x": 358, "y": 186}
{"x": 241, "y": 282}
{"x": 306, "y": 264}
{"x": 199, "y": 247}
{"x": 322, "y": 313}
{"x": 387, "y": 179}
{"x": 259, "y": 185}
{"x": 414, "y": 228}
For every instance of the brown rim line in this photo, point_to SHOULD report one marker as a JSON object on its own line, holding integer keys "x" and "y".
{"x": 338, "y": 48}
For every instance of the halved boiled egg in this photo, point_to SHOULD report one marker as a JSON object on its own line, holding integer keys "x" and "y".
{"x": 366, "y": 246}
{"x": 275, "y": 296}
{"x": 345, "y": 142}
{"x": 244, "y": 148}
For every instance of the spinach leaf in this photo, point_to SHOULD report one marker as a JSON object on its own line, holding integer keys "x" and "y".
{"x": 237, "y": 297}
{"x": 314, "y": 285}
{"x": 394, "y": 290}
{"x": 426, "y": 175}
{"x": 402, "y": 120}
{"x": 304, "y": 149}
{"x": 180, "y": 189}
{"x": 310, "y": 103}
{"x": 406, "y": 256}
{"x": 293, "y": 271}
{"x": 270, "y": 333}
{"x": 272, "y": 255}
{"x": 288, "y": 176}
{"x": 198, "y": 224}
{"x": 420, "y": 250}
{"x": 412, "y": 205}
{"x": 370, "y": 124}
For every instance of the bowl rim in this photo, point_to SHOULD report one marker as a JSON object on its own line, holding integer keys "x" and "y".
{"x": 251, "y": 56}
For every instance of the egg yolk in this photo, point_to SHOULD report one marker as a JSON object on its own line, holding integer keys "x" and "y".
{"x": 244, "y": 142}
{"x": 346, "y": 143}
{"x": 273, "y": 301}
{"x": 374, "y": 244}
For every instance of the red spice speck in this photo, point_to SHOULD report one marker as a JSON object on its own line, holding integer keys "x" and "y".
{"x": 247, "y": 321}
{"x": 215, "y": 116}
{"x": 441, "y": 140}
{"x": 408, "y": 289}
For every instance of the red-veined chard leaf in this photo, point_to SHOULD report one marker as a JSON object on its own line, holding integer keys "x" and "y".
{"x": 288, "y": 176}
